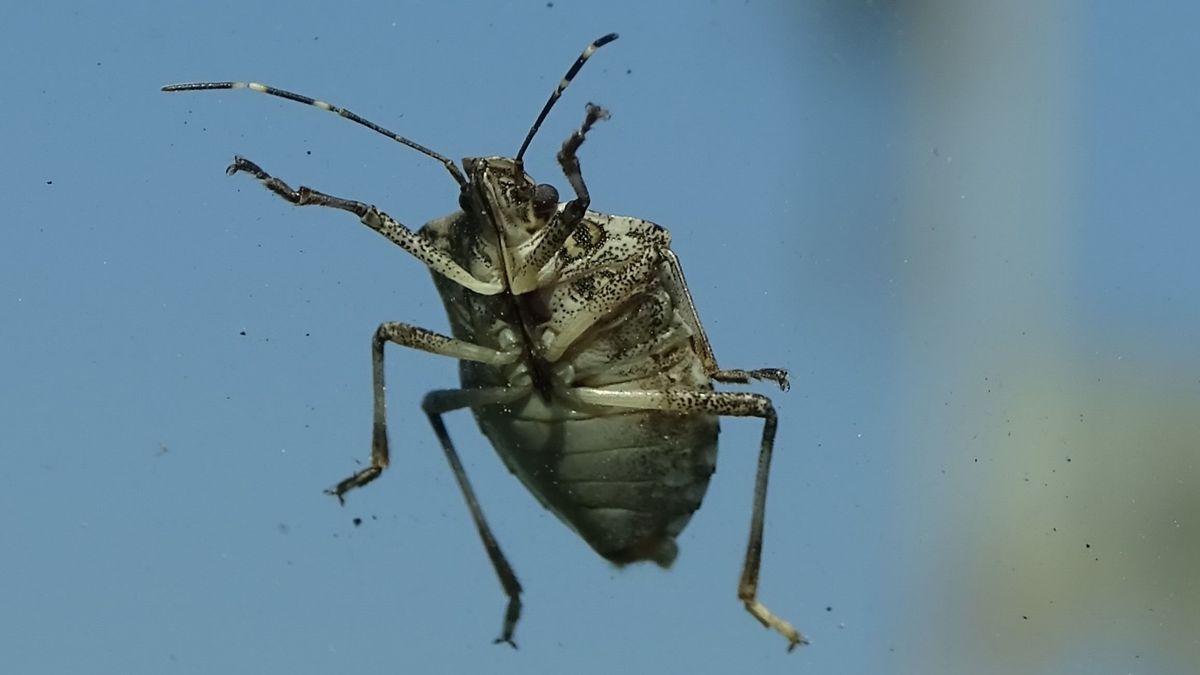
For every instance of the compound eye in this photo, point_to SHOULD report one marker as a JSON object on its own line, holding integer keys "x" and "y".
{"x": 545, "y": 200}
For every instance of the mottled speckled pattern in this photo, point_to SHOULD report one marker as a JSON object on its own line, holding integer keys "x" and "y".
{"x": 581, "y": 355}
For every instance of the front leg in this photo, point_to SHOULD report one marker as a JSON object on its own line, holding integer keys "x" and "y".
{"x": 562, "y": 224}
{"x": 436, "y": 404}
{"x": 421, "y": 248}
{"x": 568, "y": 158}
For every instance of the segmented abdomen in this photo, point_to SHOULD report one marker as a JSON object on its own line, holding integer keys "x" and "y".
{"x": 626, "y": 481}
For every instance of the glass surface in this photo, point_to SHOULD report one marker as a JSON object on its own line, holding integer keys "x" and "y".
{"x": 969, "y": 232}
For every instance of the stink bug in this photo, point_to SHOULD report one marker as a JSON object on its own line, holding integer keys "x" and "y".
{"x": 580, "y": 354}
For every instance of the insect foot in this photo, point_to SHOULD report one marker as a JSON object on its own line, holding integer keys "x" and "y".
{"x": 580, "y": 354}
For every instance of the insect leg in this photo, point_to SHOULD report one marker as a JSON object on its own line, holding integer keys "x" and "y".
{"x": 435, "y": 404}
{"x": 414, "y": 337}
{"x": 375, "y": 219}
{"x": 736, "y": 404}
{"x": 738, "y": 376}
{"x": 568, "y": 158}
{"x": 704, "y": 348}
{"x": 563, "y": 224}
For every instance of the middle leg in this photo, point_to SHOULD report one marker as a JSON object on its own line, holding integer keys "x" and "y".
{"x": 437, "y": 403}
{"x": 414, "y": 337}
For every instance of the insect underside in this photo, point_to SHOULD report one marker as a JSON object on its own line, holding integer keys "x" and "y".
{"x": 580, "y": 354}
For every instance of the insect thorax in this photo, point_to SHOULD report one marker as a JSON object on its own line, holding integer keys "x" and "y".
{"x": 600, "y": 293}
{"x": 602, "y": 311}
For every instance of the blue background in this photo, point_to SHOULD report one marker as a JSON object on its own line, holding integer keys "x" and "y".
{"x": 969, "y": 230}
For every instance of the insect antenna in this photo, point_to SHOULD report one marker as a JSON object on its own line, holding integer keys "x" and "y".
{"x": 587, "y": 54}
{"x": 300, "y": 98}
